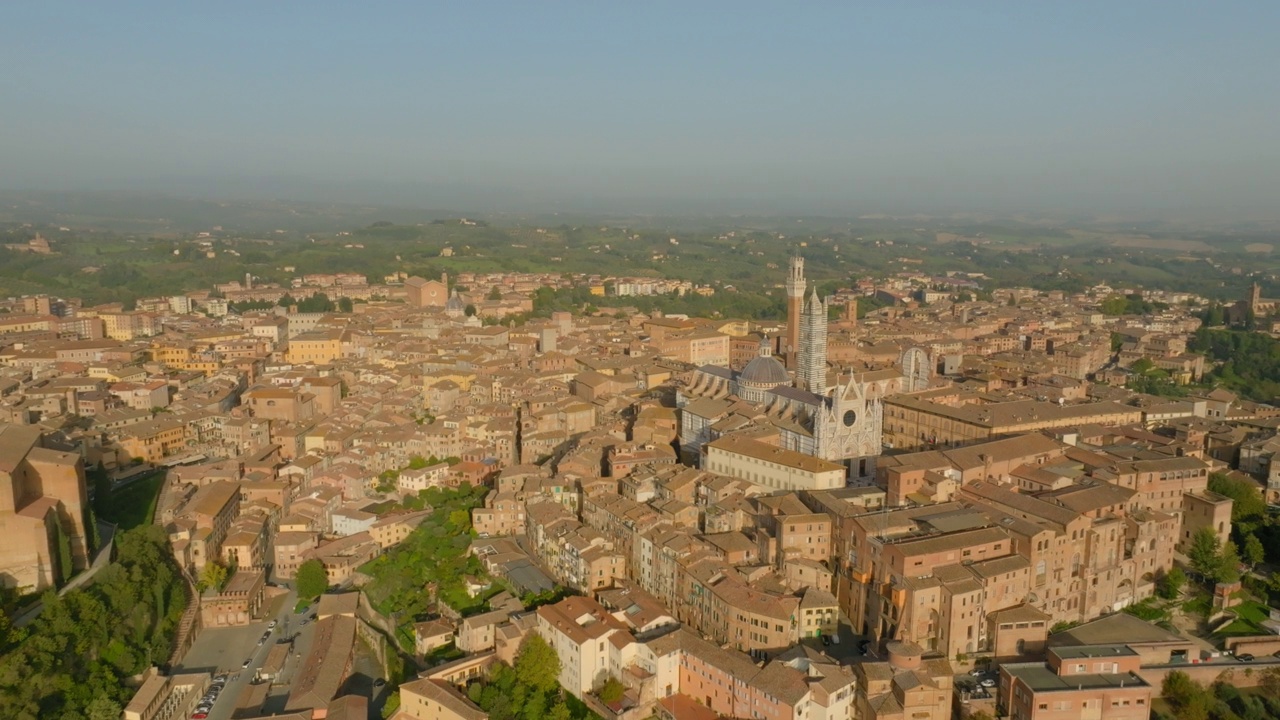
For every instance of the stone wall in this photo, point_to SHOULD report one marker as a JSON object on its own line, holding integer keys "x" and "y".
{"x": 1237, "y": 674}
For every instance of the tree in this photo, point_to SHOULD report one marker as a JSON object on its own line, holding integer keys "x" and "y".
{"x": 1228, "y": 569}
{"x": 5, "y": 628}
{"x": 1205, "y": 552}
{"x": 611, "y": 691}
{"x": 1188, "y": 698}
{"x": 391, "y": 706}
{"x": 103, "y": 708}
{"x": 559, "y": 711}
{"x": 1269, "y": 682}
{"x": 494, "y": 294}
{"x": 469, "y": 310}
{"x": 1214, "y": 316}
{"x": 312, "y": 580}
{"x": 1170, "y": 584}
{"x": 1141, "y": 366}
{"x": 1254, "y": 552}
{"x": 537, "y": 664}
{"x": 1248, "y": 502}
{"x": 345, "y": 305}
{"x": 213, "y": 576}
{"x": 1115, "y": 305}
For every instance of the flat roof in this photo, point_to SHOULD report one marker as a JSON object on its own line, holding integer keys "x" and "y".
{"x": 1040, "y": 678}
{"x": 1093, "y": 651}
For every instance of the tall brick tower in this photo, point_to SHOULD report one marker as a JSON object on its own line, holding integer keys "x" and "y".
{"x": 795, "y": 306}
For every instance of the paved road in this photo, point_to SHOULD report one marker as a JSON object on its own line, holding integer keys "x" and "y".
{"x": 845, "y": 651}
{"x": 224, "y": 650}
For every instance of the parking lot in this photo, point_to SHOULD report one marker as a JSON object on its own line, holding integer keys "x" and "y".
{"x": 238, "y": 652}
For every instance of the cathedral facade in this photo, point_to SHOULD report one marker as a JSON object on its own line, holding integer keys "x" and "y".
{"x": 816, "y": 410}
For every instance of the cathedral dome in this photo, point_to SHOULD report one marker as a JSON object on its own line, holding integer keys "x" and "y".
{"x": 764, "y": 370}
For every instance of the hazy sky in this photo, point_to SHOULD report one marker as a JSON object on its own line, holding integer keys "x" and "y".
{"x": 1157, "y": 107}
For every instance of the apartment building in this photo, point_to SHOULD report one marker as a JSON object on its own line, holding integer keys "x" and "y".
{"x": 211, "y": 510}
{"x": 581, "y": 631}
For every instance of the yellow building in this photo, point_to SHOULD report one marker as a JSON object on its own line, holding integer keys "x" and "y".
{"x": 463, "y": 380}
{"x": 115, "y": 373}
{"x": 154, "y": 440}
{"x": 317, "y": 346}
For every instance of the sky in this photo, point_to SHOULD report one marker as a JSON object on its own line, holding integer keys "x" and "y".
{"x": 1145, "y": 108}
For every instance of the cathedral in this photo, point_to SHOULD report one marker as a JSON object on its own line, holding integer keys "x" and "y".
{"x": 815, "y": 409}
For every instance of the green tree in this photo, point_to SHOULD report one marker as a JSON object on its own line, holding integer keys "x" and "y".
{"x": 1228, "y": 569}
{"x": 1170, "y": 584}
{"x": 345, "y": 305}
{"x": 1188, "y": 698}
{"x": 1115, "y": 305}
{"x": 469, "y": 310}
{"x": 611, "y": 691}
{"x": 213, "y": 576}
{"x": 1248, "y": 502}
{"x": 103, "y": 708}
{"x": 537, "y": 664}
{"x": 495, "y": 293}
{"x": 391, "y": 706}
{"x": 1205, "y": 552}
{"x": 312, "y": 580}
{"x": 1254, "y": 552}
{"x": 560, "y": 711}
{"x": 1141, "y": 366}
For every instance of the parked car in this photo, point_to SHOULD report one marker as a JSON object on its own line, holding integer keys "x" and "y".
{"x": 826, "y": 639}
{"x": 271, "y": 625}
{"x": 987, "y": 683}
{"x": 1245, "y": 657}
{"x": 379, "y": 682}
{"x": 246, "y": 663}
